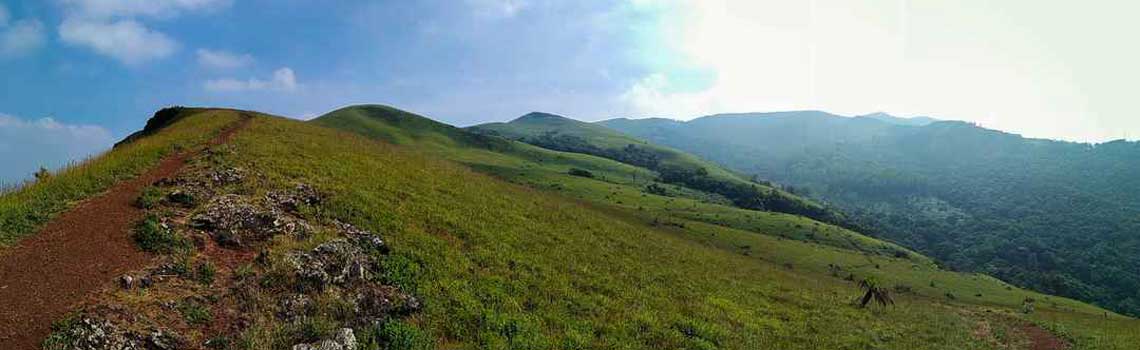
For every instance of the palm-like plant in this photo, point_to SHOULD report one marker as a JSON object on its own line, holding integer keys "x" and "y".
{"x": 872, "y": 291}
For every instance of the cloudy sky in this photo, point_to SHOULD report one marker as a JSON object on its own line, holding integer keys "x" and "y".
{"x": 79, "y": 74}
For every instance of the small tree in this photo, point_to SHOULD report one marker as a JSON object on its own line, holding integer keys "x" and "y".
{"x": 872, "y": 291}
{"x": 43, "y": 174}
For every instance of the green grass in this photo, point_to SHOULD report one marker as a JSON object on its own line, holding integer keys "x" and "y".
{"x": 23, "y": 211}
{"x": 503, "y": 265}
{"x": 537, "y": 124}
{"x": 506, "y": 249}
{"x": 151, "y": 236}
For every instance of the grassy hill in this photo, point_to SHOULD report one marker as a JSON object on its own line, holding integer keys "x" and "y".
{"x": 672, "y": 166}
{"x": 1051, "y": 215}
{"x": 506, "y": 249}
{"x": 810, "y": 267}
{"x": 25, "y": 210}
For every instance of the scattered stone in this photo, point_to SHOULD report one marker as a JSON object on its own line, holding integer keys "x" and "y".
{"x": 127, "y": 282}
{"x": 377, "y": 302}
{"x": 233, "y": 221}
{"x": 296, "y": 307}
{"x": 337, "y": 261}
{"x": 99, "y": 334}
{"x": 363, "y": 238}
{"x": 343, "y": 340}
{"x": 227, "y": 176}
{"x": 293, "y": 200}
{"x": 145, "y": 282}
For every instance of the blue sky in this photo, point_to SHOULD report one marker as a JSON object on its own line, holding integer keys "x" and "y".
{"x": 79, "y": 74}
{"x": 103, "y": 64}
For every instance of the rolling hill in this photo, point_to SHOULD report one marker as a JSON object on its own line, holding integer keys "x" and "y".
{"x": 1050, "y": 215}
{"x": 405, "y": 233}
{"x": 548, "y": 171}
{"x": 674, "y": 167}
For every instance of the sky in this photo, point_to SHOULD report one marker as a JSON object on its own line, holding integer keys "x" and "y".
{"x": 81, "y": 74}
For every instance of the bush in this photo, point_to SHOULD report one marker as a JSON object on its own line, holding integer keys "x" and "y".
{"x": 657, "y": 190}
{"x": 581, "y": 173}
{"x": 399, "y": 335}
{"x": 153, "y": 237}
{"x": 206, "y": 272}
{"x": 149, "y": 198}
{"x": 195, "y": 313}
{"x": 43, "y": 174}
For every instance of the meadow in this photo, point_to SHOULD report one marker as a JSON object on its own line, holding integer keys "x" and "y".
{"x": 506, "y": 249}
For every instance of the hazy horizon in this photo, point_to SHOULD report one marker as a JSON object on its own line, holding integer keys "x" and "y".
{"x": 82, "y": 73}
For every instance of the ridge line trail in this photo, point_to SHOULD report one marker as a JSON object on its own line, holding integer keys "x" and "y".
{"x": 80, "y": 251}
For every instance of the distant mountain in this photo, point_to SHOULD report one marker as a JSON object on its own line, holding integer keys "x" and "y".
{"x": 1059, "y": 216}
{"x": 676, "y": 167}
{"x": 912, "y": 121}
{"x": 375, "y": 226}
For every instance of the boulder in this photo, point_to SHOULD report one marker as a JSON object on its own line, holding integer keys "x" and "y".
{"x": 91, "y": 333}
{"x": 292, "y": 200}
{"x": 337, "y": 261}
{"x": 378, "y": 302}
{"x": 233, "y": 221}
{"x": 361, "y": 237}
{"x": 344, "y": 339}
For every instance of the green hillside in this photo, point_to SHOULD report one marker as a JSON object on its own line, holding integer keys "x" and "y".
{"x": 1056, "y": 216}
{"x": 503, "y": 248}
{"x": 24, "y": 211}
{"x": 672, "y": 166}
{"x": 815, "y": 263}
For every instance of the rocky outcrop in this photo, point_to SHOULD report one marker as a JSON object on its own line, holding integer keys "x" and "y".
{"x": 344, "y": 339}
{"x": 89, "y": 333}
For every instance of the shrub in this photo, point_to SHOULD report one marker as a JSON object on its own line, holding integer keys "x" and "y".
{"x": 399, "y": 335}
{"x": 206, "y": 272}
{"x": 195, "y": 313}
{"x": 43, "y": 174}
{"x": 581, "y": 173}
{"x": 149, "y": 198}
{"x": 155, "y": 237}
{"x": 656, "y": 189}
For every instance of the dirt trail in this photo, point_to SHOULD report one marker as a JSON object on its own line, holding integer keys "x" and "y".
{"x": 82, "y": 250}
{"x": 1040, "y": 339}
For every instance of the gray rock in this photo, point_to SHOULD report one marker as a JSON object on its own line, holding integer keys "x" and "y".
{"x": 296, "y": 307}
{"x": 378, "y": 302}
{"x": 363, "y": 238}
{"x": 292, "y": 200}
{"x": 234, "y": 221}
{"x": 337, "y": 261}
{"x": 127, "y": 282}
{"x": 227, "y": 176}
{"x": 344, "y": 339}
{"x": 91, "y": 333}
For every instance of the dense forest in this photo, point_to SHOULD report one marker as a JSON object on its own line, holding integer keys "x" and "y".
{"x": 1060, "y": 217}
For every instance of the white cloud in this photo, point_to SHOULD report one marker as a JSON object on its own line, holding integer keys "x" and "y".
{"x": 113, "y": 28}
{"x": 222, "y": 59}
{"x": 1029, "y": 76}
{"x": 497, "y": 8}
{"x": 283, "y": 80}
{"x": 124, "y": 40}
{"x": 21, "y": 38}
{"x": 109, "y": 9}
{"x": 26, "y": 145}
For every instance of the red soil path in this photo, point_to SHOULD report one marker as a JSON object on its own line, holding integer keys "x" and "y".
{"x": 86, "y": 248}
{"x": 1040, "y": 339}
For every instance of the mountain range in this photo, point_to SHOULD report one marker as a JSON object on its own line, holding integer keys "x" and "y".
{"x": 371, "y": 227}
